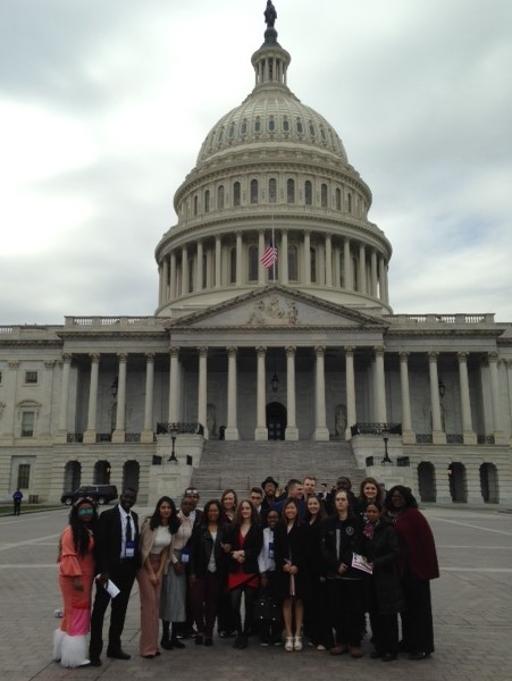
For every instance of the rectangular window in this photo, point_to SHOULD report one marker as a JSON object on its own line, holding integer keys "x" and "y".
{"x": 30, "y": 377}
{"x": 0, "y": 378}
{"x": 27, "y": 424}
{"x": 23, "y": 476}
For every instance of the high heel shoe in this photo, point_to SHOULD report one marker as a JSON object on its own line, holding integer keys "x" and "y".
{"x": 288, "y": 645}
{"x": 297, "y": 643}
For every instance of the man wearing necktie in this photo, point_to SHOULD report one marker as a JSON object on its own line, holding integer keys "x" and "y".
{"x": 117, "y": 560}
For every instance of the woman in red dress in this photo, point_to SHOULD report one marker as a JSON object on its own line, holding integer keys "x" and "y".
{"x": 76, "y": 575}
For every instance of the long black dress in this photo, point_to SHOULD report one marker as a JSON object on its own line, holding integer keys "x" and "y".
{"x": 290, "y": 546}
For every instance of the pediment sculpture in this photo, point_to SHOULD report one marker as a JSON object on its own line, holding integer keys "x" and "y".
{"x": 274, "y": 311}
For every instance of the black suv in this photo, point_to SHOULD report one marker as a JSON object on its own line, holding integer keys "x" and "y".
{"x": 100, "y": 493}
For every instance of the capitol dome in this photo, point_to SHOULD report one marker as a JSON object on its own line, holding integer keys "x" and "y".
{"x": 272, "y": 171}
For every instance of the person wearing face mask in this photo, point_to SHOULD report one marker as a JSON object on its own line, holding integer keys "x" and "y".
{"x": 173, "y": 597}
{"x": 267, "y": 613}
{"x": 155, "y": 542}
{"x": 117, "y": 559}
{"x": 382, "y": 550}
{"x": 418, "y": 559}
{"x": 76, "y": 575}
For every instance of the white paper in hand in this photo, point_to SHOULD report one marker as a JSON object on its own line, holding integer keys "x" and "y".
{"x": 360, "y": 563}
{"x": 112, "y": 589}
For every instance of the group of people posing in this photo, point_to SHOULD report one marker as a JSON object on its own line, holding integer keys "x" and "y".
{"x": 305, "y": 563}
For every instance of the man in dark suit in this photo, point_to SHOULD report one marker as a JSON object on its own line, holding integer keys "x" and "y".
{"x": 117, "y": 559}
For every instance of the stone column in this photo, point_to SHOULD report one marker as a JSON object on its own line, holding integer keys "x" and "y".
{"x": 90, "y": 433}
{"x": 321, "y": 431}
{"x": 261, "y": 431}
{"x": 165, "y": 282}
{"x": 348, "y": 279}
{"x": 438, "y": 435}
{"x": 64, "y": 398}
{"x": 380, "y": 387}
{"x": 382, "y": 277}
{"x": 202, "y": 389}
{"x": 172, "y": 292}
{"x": 184, "y": 271}
{"x": 508, "y": 365}
{"x": 239, "y": 259}
{"x": 147, "y": 433}
{"x": 291, "y": 432}
{"x": 362, "y": 268}
{"x": 351, "y": 391}
{"x": 307, "y": 258}
{"x": 408, "y": 435}
{"x": 231, "y": 432}
{"x": 174, "y": 369}
{"x": 374, "y": 272}
{"x": 218, "y": 262}
{"x": 465, "y": 403}
{"x": 261, "y": 249}
{"x": 199, "y": 266}
{"x": 386, "y": 287}
{"x": 119, "y": 433}
{"x": 328, "y": 260}
{"x": 45, "y": 417}
{"x": 284, "y": 257}
{"x": 499, "y": 434}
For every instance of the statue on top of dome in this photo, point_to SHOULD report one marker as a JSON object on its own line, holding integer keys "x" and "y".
{"x": 270, "y": 14}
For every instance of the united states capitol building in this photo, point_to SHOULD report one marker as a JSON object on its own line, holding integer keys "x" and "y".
{"x": 306, "y": 354}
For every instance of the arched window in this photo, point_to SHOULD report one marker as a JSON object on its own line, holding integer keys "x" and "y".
{"x": 290, "y": 190}
{"x": 244, "y": 127}
{"x": 323, "y": 195}
{"x": 308, "y": 193}
{"x": 311, "y": 129}
{"x": 286, "y": 124}
{"x": 272, "y": 190}
{"x": 293, "y": 270}
{"x": 253, "y": 263}
{"x": 220, "y": 197}
{"x": 207, "y": 201}
{"x": 257, "y": 124}
{"x": 254, "y": 191}
{"x": 300, "y": 127}
{"x": 322, "y": 133}
{"x": 221, "y": 134}
{"x": 196, "y": 204}
{"x": 312, "y": 253}
{"x": 231, "y": 131}
{"x": 349, "y": 202}
{"x": 236, "y": 194}
{"x": 271, "y": 124}
{"x": 232, "y": 266}
{"x": 338, "y": 198}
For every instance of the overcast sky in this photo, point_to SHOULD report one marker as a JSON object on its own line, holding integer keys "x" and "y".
{"x": 104, "y": 105}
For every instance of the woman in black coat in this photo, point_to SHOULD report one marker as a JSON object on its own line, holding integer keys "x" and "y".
{"x": 341, "y": 538}
{"x": 207, "y": 571}
{"x": 291, "y": 573}
{"x": 382, "y": 549}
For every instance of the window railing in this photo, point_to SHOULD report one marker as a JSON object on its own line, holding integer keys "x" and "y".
{"x": 179, "y": 428}
{"x": 376, "y": 429}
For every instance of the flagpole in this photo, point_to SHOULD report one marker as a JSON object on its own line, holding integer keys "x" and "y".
{"x": 274, "y": 245}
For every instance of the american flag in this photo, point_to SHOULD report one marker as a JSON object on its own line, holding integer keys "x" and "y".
{"x": 269, "y": 256}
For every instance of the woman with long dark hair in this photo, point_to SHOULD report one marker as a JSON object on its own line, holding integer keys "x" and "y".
{"x": 206, "y": 571}
{"x": 419, "y": 566}
{"x": 242, "y": 542}
{"x": 229, "y": 504}
{"x": 290, "y": 555}
{"x": 341, "y": 537}
{"x": 155, "y": 541}
{"x": 76, "y": 575}
{"x": 369, "y": 491}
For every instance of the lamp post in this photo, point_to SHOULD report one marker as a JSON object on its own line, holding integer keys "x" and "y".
{"x": 173, "y": 430}
{"x": 386, "y": 458}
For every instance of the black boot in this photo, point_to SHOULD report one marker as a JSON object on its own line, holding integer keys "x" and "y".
{"x": 175, "y": 641}
{"x": 166, "y": 642}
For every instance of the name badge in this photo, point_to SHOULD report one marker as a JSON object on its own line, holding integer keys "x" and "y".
{"x": 271, "y": 550}
{"x": 129, "y": 549}
{"x": 185, "y": 556}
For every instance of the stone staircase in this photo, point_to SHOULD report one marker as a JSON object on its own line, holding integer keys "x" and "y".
{"x": 244, "y": 464}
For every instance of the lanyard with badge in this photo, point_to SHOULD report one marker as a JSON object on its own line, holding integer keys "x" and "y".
{"x": 129, "y": 547}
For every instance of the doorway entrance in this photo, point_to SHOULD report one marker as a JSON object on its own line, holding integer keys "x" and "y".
{"x": 276, "y": 420}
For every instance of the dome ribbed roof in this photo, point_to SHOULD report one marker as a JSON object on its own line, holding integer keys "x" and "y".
{"x": 267, "y": 116}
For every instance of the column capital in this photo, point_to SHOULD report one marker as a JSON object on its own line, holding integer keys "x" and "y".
{"x": 379, "y": 350}
{"x": 508, "y": 363}
{"x": 492, "y": 356}
{"x": 290, "y": 349}
{"x": 174, "y": 351}
{"x": 432, "y": 356}
{"x": 349, "y": 349}
{"x": 404, "y": 355}
{"x": 462, "y": 356}
{"x": 50, "y": 363}
{"x": 202, "y": 350}
{"x": 319, "y": 350}
{"x": 261, "y": 350}
{"x": 13, "y": 364}
{"x": 95, "y": 356}
{"x": 67, "y": 357}
{"x": 232, "y": 350}
{"x": 150, "y": 356}
{"x": 122, "y": 356}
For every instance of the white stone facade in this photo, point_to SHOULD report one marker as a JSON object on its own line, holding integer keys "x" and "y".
{"x": 308, "y": 351}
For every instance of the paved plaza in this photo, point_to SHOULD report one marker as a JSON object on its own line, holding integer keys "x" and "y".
{"x": 472, "y": 611}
